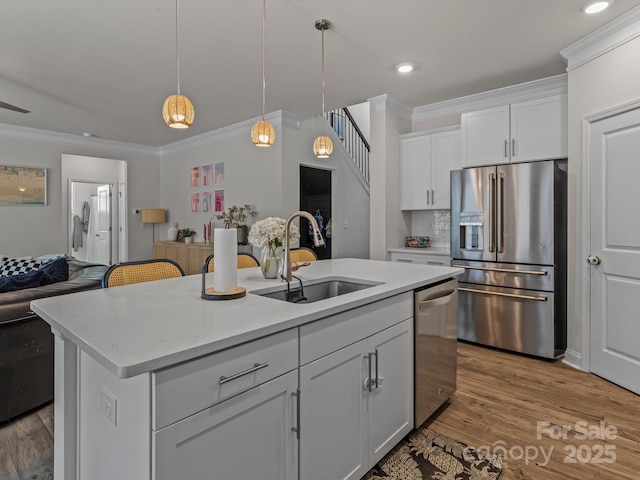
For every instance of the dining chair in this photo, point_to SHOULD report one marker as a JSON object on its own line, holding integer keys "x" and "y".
{"x": 302, "y": 254}
{"x": 127, "y": 273}
{"x": 245, "y": 260}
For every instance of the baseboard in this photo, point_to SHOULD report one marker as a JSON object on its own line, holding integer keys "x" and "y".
{"x": 573, "y": 359}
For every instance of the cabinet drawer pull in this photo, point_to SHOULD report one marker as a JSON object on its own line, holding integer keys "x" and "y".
{"x": 377, "y": 376}
{"x": 506, "y": 148}
{"x": 255, "y": 368}
{"x": 370, "y": 380}
{"x": 406, "y": 260}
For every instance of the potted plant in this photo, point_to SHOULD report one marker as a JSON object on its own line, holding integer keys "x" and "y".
{"x": 235, "y": 217}
{"x": 186, "y": 234}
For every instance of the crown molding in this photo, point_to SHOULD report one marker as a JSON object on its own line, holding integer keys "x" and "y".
{"x": 493, "y": 98}
{"x": 46, "y": 136}
{"x": 608, "y": 37}
{"x": 387, "y": 104}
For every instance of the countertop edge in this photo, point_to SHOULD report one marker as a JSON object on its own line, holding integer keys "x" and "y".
{"x": 170, "y": 359}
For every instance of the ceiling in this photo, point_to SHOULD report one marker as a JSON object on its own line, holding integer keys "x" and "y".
{"x": 105, "y": 66}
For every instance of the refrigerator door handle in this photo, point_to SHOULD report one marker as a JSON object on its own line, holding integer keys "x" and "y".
{"x": 500, "y": 212}
{"x": 503, "y": 270}
{"x": 537, "y": 298}
{"x": 492, "y": 207}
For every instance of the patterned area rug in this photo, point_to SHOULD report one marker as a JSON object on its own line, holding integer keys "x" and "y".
{"x": 424, "y": 455}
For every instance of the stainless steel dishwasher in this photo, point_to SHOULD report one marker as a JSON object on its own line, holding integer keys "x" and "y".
{"x": 436, "y": 347}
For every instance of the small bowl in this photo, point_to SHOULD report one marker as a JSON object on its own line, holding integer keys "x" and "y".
{"x": 416, "y": 242}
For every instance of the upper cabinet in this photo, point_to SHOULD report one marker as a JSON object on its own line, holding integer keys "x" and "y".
{"x": 426, "y": 160}
{"x": 519, "y": 132}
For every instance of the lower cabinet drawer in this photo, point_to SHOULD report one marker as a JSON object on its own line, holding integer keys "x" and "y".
{"x": 187, "y": 388}
{"x": 421, "y": 258}
{"x": 328, "y": 335}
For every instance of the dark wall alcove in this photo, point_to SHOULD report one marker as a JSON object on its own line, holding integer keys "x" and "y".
{"x": 315, "y": 195}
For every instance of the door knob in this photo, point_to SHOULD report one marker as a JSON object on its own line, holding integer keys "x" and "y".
{"x": 593, "y": 260}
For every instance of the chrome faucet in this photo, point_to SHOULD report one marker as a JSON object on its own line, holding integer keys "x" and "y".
{"x": 318, "y": 241}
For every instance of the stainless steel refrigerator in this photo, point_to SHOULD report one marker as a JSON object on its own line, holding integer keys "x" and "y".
{"x": 509, "y": 233}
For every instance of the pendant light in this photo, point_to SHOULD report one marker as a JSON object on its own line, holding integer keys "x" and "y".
{"x": 262, "y": 133}
{"x": 323, "y": 147}
{"x": 177, "y": 110}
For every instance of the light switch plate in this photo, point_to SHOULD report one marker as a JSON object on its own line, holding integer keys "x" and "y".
{"x": 108, "y": 405}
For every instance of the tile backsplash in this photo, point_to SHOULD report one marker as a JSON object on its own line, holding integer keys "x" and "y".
{"x": 436, "y": 224}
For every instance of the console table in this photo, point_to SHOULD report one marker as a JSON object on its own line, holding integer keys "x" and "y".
{"x": 190, "y": 256}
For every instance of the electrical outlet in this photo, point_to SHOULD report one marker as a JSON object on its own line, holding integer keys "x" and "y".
{"x": 108, "y": 405}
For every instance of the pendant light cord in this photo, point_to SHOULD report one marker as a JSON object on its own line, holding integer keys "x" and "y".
{"x": 322, "y": 31}
{"x": 177, "y": 48}
{"x": 264, "y": 84}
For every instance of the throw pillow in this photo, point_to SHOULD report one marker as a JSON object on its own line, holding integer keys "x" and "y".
{"x": 56, "y": 271}
{"x": 16, "y": 266}
{"x": 11, "y": 283}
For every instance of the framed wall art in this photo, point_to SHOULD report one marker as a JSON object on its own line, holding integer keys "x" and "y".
{"x": 219, "y": 200}
{"x": 207, "y": 175}
{"x": 195, "y": 176}
{"x": 219, "y": 173}
{"x": 206, "y": 202}
{"x": 23, "y": 185}
{"x": 195, "y": 202}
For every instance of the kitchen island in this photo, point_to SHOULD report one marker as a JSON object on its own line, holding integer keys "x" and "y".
{"x": 153, "y": 382}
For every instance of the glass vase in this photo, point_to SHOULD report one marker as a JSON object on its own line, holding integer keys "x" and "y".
{"x": 271, "y": 261}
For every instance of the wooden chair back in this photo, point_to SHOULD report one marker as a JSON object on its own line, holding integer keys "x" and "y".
{"x": 127, "y": 273}
{"x": 245, "y": 260}
{"x": 302, "y": 254}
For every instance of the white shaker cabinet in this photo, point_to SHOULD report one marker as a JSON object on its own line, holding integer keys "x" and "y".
{"x": 520, "y": 132}
{"x": 342, "y": 401}
{"x": 247, "y": 436}
{"x": 426, "y": 160}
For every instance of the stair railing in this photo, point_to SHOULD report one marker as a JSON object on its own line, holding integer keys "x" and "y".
{"x": 352, "y": 138}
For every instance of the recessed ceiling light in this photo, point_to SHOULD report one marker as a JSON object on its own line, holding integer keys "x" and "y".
{"x": 596, "y": 7}
{"x": 405, "y": 68}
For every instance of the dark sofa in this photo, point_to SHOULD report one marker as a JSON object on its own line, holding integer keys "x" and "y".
{"x": 26, "y": 341}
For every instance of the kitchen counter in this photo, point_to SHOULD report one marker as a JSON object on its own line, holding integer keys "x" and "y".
{"x": 148, "y": 326}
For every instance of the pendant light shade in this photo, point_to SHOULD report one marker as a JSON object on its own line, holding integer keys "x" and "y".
{"x": 323, "y": 147}
{"x": 262, "y": 133}
{"x": 177, "y": 110}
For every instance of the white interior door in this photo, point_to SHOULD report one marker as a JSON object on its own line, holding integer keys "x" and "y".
{"x": 103, "y": 226}
{"x": 615, "y": 249}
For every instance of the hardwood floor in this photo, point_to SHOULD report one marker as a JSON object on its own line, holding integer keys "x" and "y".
{"x": 26, "y": 446}
{"x": 501, "y": 397}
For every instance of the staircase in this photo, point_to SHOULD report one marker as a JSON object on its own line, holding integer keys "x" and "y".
{"x": 352, "y": 138}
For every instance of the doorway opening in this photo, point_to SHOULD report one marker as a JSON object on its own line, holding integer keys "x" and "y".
{"x": 315, "y": 198}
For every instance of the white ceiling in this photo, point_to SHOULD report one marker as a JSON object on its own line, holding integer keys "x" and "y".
{"x": 106, "y": 66}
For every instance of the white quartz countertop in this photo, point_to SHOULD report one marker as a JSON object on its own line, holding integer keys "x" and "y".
{"x": 147, "y": 326}
{"x": 445, "y": 252}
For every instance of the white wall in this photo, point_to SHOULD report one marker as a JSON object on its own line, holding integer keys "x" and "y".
{"x": 266, "y": 178}
{"x": 361, "y": 114}
{"x": 389, "y": 225}
{"x": 609, "y": 80}
{"x": 42, "y": 230}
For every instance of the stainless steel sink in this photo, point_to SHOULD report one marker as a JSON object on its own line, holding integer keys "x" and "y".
{"x": 316, "y": 290}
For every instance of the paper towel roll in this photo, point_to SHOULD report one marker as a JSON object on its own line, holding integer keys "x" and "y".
{"x": 225, "y": 255}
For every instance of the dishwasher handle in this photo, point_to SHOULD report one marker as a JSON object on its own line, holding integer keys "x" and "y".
{"x": 438, "y": 301}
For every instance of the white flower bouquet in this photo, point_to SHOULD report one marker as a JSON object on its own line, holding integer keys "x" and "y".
{"x": 268, "y": 234}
